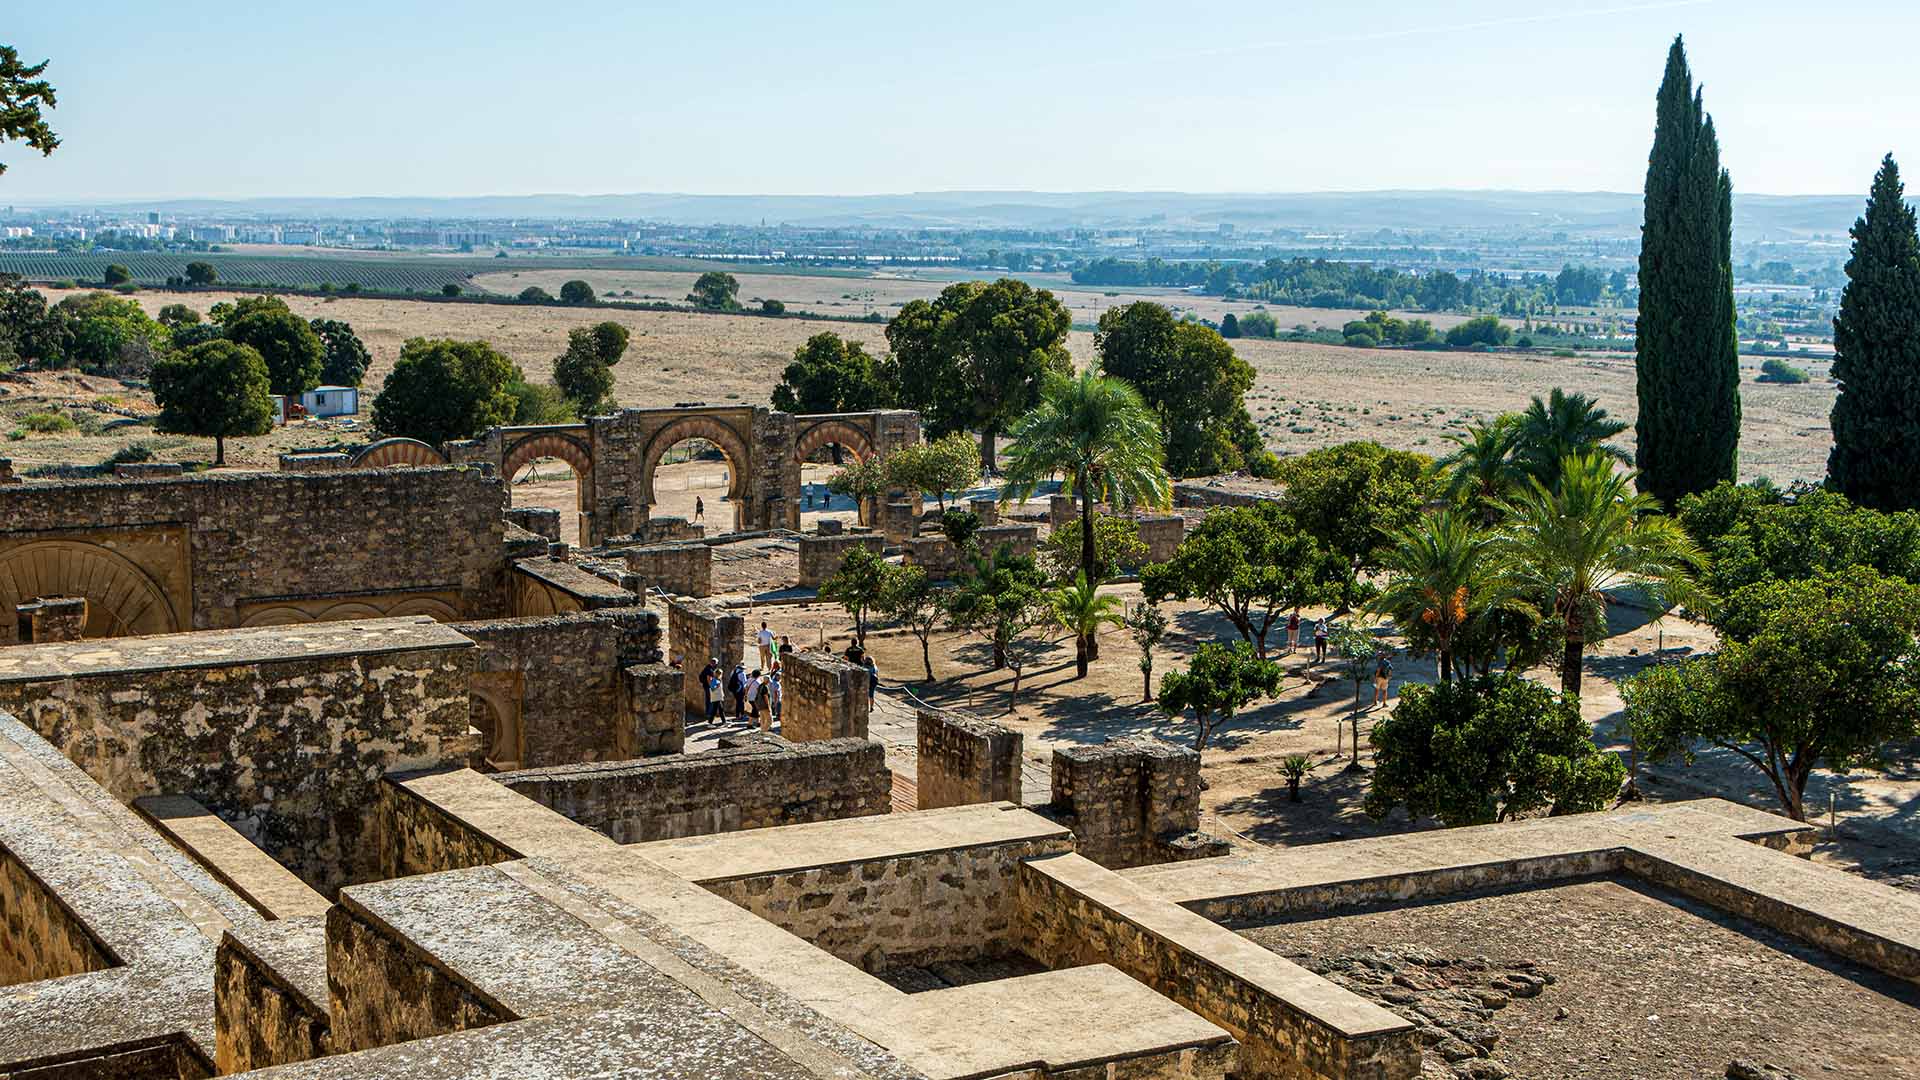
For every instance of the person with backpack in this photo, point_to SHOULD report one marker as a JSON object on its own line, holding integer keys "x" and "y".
{"x": 737, "y": 686}
{"x": 1382, "y": 677}
{"x": 710, "y": 686}
{"x": 752, "y": 692}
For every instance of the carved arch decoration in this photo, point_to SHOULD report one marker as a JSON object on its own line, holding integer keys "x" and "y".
{"x": 122, "y": 599}
{"x": 552, "y": 444}
{"x": 300, "y": 612}
{"x": 390, "y": 452}
{"x": 833, "y": 432}
{"x": 732, "y": 444}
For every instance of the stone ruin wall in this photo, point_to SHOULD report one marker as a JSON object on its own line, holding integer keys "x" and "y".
{"x": 270, "y": 995}
{"x": 58, "y": 618}
{"x": 1131, "y": 802}
{"x": 964, "y": 760}
{"x": 221, "y": 548}
{"x": 1161, "y": 533}
{"x": 541, "y": 521}
{"x": 1022, "y": 539}
{"x": 753, "y": 782}
{"x": 676, "y": 569}
{"x": 697, "y": 632}
{"x": 824, "y": 697}
{"x": 821, "y": 556}
{"x": 39, "y": 937}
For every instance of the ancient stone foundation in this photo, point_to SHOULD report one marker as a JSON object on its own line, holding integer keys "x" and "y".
{"x": 825, "y": 697}
{"x": 987, "y": 510}
{"x": 6, "y": 473}
{"x": 964, "y": 760}
{"x": 1131, "y": 802}
{"x": 935, "y": 554}
{"x": 697, "y": 632}
{"x": 821, "y": 556}
{"x": 749, "y": 783}
{"x": 900, "y": 521}
{"x": 676, "y": 569}
{"x": 1161, "y": 533}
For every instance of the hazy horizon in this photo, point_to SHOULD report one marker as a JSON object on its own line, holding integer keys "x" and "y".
{"x": 358, "y": 100}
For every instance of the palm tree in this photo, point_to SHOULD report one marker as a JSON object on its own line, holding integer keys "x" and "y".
{"x": 1481, "y": 470}
{"x": 1104, "y": 440}
{"x": 1592, "y": 534}
{"x": 1562, "y": 426}
{"x": 1082, "y": 610}
{"x": 1440, "y": 574}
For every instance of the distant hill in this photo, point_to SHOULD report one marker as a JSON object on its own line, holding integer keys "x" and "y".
{"x": 1592, "y": 214}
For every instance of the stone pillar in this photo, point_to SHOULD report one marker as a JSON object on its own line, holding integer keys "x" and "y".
{"x": 934, "y": 554}
{"x": 824, "y": 696}
{"x": 60, "y": 618}
{"x": 1131, "y": 802}
{"x": 679, "y": 569}
{"x": 539, "y": 520}
{"x": 1062, "y": 509}
{"x": 965, "y": 760}
{"x": 654, "y": 715}
{"x": 821, "y": 556}
{"x": 901, "y": 522}
{"x": 697, "y": 632}
{"x": 1162, "y": 534}
{"x": 6, "y": 473}
{"x": 986, "y": 509}
{"x": 829, "y": 527}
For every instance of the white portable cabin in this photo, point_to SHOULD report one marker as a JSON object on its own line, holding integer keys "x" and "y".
{"x": 331, "y": 401}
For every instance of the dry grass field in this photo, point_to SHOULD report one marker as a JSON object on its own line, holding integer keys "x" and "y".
{"x": 1305, "y": 395}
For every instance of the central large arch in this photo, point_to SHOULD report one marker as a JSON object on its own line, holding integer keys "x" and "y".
{"x": 122, "y": 599}
{"x": 831, "y": 431}
{"x": 732, "y": 447}
{"x": 552, "y": 444}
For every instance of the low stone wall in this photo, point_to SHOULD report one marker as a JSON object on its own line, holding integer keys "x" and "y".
{"x": 905, "y": 910}
{"x": 556, "y": 585}
{"x": 383, "y": 990}
{"x": 935, "y": 554}
{"x": 1023, "y": 539}
{"x": 987, "y": 510}
{"x": 762, "y": 781}
{"x": 414, "y": 835}
{"x": 146, "y": 470}
{"x": 539, "y": 520}
{"x": 672, "y": 530}
{"x": 821, "y": 556}
{"x": 270, "y": 994}
{"x": 824, "y": 697}
{"x": 6, "y": 473}
{"x": 677, "y": 569}
{"x": 653, "y": 713}
{"x": 964, "y": 760}
{"x": 900, "y": 521}
{"x": 62, "y": 618}
{"x": 39, "y": 937}
{"x": 1200, "y": 494}
{"x": 1162, "y": 534}
{"x": 697, "y": 632}
{"x": 1131, "y": 802}
{"x": 311, "y": 463}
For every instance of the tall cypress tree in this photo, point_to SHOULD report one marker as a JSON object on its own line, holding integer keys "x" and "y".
{"x": 1876, "y": 356}
{"x": 1688, "y": 431}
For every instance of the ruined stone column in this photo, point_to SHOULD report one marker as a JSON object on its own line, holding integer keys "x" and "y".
{"x": 697, "y": 632}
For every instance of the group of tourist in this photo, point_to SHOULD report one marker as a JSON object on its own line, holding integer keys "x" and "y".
{"x": 1320, "y": 630}
{"x": 755, "y": 693}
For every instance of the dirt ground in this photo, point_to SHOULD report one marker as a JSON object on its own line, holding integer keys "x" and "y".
{"x": 1615, "y": 1007}
{"x": 1305, "y": 396}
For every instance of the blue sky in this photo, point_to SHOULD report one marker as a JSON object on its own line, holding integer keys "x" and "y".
{"x": 353, "y": 98}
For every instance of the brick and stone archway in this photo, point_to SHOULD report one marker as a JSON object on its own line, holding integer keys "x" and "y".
{"x": 713, "y": 430}
{"x": 390, "y": 452}
{"x": 831, "y": 431}
{"x": 865, "y": 434}
{"x": 122, "y": 599}
{"x": 560, "y": 444}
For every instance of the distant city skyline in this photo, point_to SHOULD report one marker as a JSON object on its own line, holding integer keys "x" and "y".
{"x": 353, "y": 99}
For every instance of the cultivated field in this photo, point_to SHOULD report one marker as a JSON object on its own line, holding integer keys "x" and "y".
{"x": 1305, "y": 395}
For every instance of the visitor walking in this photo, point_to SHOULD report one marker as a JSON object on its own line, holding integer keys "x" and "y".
{"x": 699, "y": 508}
{"x": 765, "y": 640}
{"x": 1382, "y": 677}
{"x": 773, "y": 692}
{"x": 873, "y": 676}
{"x": 1293, "y": 631}
{"x": 1320, "y": 641}
{"x": 710, "y": 685}
{"x": 754, "y": 695}
{"x": 737, "y": 687}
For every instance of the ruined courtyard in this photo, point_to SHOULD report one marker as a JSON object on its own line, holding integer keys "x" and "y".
{"x": 382, "y": 764}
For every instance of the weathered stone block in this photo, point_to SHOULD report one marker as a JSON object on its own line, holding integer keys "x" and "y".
{"x": 539, "y": 520}
{"x": 1161, "y": 533}
{"x": 964, "y": 759}
{"x": 821, "y": 556}
{"x": 697, "y": 632}
{"x": 1022, "y": 539}
{"x": 1128, "y": 800}
{"x": 61, "y": 618}
{"x": 676, "y": 569}
{"x": 825, "y": 697}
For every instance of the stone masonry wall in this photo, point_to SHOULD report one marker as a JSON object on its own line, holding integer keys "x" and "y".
{"x": 935, "y": 554}
{"x": 381, "y": 990}
{"x": 270, "y": 994}
{"x": 288, "y": 752}
{"x": 678, "y": 569}
{"x": 61, "y": 618}
{"x": 760, "y": 782}
{"x": 539, "y": 520}
{"x": 39, "y": 937}
{"x": 1162, "y": 534}
{"x": 569, "y": 673}
{"x": 964, "y": 760}
{"x": 821, "y": 556}
{"x": 653, "y": 713}
{"x": 1023, "y": 539}
{"x": 270, "y": 536}
{"x": 1130, "y": 802}
{"x": 697, "y": 632}
{"x": 825, "y": 697}
{"x": 957, "y": 904}
{"x": 413, "y": 836}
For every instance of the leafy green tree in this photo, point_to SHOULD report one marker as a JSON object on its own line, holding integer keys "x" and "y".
{"x": 1687, "y": 436}
{"x": 861, "y": 480}
{"x": 1823, "y": 673}
{"x": 1876, "y": 355}
{"x": 1295, "y": 768}
{"x": 201, "y": 273}
{"x": 1097, "y": 434}
{"x": 106, "y": 334}
{"x": 1259, "y": 324}
{"x": 449, "y": 289}
{"x": 1563, "y": 426}
{"x": 772, "y": 307}
{"x": 715, "y": 290}
{"x": 1191, "y": 378}
{"x": 23, "y": 96}
{"x": 1081, "y": 609}
{"x": 974, "y": 358}
{"x": 574, "y": 292}
{"x": 293, "y": 352}
{"x": 1356, "y": 652}
{"x": 1229, "y": 326}
{"x": 1751, "y": 534}
{"x": 534, "y": 294}
{"x": 116, "y": 274}
{"x": 860, "y": 585}
{"x": 174, "y": 316}
{"x": 218, "y": 389}
{"x": 1569, "y": 548}
{"x": 29, "y": 330}
{"x": 1352, "y": 498}
{"x": 584, "y": 373}
{"x": 959, "y": 527}
{"x": 1441, "y": 575}
{"x": 1220, "y": 680}
{"x": 1483, "y": 467}
{"x": 908, "y": 597}
{"x": 345, "y": 358}
{"x": 1116, "y": 545}
{"x": 441, "y": 390}
{"x": 1251, "y": 563}
{"x": 1488, "y": 749}
{"x": 830, "y": 375}
{"x": 539, "y": 403}
{"x": 1483, "y": 330}
{"x": 1146, "y": 624}
{"x": 1002, "y": 599}
{"x": 948, "y": 464}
